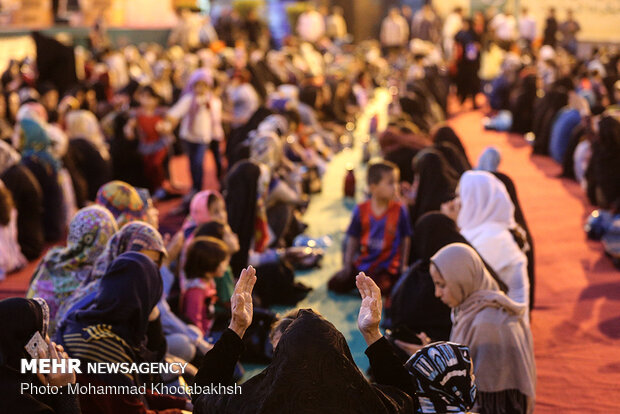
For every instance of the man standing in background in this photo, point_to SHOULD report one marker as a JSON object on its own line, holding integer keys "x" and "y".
{"x": 569, "y": 30}
{"x": 527, "y": 28}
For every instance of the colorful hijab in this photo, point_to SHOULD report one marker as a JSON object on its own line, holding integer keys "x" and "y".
{"x": 37, "y": 144}
{"x": 123, "y": 201}
{"x": 64, "y": 268}
{"x": 492, "y": 325}
{"x": 199, "y": 210}
{"x": 133, "y": 237}
{"x": 443, "y": 378}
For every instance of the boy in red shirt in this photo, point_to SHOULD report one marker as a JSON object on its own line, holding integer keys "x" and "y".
{"x": 379, "y": 234}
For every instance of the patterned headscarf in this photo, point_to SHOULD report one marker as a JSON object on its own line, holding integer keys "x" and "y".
{"x": 37, "y": 144}
{"x": 64, "y": 268}
{"x": 134, "y": 237}
{"x": 443, "y": 376}
{"x": 123, "y": 201}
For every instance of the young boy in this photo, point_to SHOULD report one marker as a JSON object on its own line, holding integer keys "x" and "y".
{"x": 379, "y": 234}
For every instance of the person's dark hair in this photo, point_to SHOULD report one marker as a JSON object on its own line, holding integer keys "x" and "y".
{"x": 292, "y": 116}
{"x": 210, "y": 229}
{"x": 308, "y": 95}
{"x": 149, "y": 89}
{"x": 6, "y": 205}
{"x": 204, "y": 254}
{"x": 377, "y": 169}
{"x": 283, "y": 322}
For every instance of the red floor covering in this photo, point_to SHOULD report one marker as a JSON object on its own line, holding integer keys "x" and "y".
{"x": 576, "y": 320}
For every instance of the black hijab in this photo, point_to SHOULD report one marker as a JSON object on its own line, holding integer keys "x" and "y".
{"x": 312, "y": 371}
{"x": 241, "y": 197}
{"x": 437, "y": 182}
{"x": 446, "y": 134}
{"x": 128, "y": 292}
{"x": 19, "y": 319}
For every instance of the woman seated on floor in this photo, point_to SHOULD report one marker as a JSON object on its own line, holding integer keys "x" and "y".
{"x": 20, "y": 320}
{"x": 492, "y": 325}
{"x": 486, "y": 219}
{"x": 121, "y": 325}
{"x": 313, "y": 367}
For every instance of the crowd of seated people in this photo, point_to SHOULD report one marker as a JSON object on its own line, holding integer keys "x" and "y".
{"x": 441, "y": 246}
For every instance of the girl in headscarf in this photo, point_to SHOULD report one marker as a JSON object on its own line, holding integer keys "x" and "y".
{"x": 134, "y": 237}
{"x": 486, "y": 219}
{"x": 435, "y": 182}
{"x": 443, "y": 378}
{"x": 123, "y": 201}
{"x": 20, "y": 319}
{"x": 36, "y": 148}
{"x": 11, "y": 258}
{"x": 63, "y": 269}
{"x": 200, "y": 113}
{"x": 113, "y": 329}
{"x": 413, "y": 307}
{"x": 493, "y": 326}
{"x": 27, "y": 195}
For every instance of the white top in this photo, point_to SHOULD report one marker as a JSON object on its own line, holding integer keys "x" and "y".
{"x": 311, "y": 26}
{"x": 485, "y": 220}
{"x": 505, "y": 26}
{"x": 527, "y": 28}
{"x": 11, "y": 257}
{"x": 207, "y": 123}
{"x": 394, "y": 31}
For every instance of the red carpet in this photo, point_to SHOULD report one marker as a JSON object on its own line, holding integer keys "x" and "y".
{"x": 576, "y": 321}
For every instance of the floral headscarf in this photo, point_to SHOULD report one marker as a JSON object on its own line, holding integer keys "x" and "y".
{"x": 133, "y": 237}
{"x": 37, "y": 144}
{"x": 123, "y": 201}
{"x": 64, "y": 268}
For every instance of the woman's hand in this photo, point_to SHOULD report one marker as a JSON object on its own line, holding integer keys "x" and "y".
{"x": 241, "y": 302}
{"x": 370, "y": 312}
{"x": 410, "y": 348}
{"x": 58, "y": 379}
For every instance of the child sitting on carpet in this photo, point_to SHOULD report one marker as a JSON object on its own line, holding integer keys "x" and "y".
{"x": 207, "y": 259}
{"x": 379, "y": 233}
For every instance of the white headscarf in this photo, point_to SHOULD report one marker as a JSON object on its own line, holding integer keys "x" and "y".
{"x": 485, "y": 220}
{"x": 83, "y": 124}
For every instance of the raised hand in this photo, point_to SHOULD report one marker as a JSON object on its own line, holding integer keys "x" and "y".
{"x": 241, "y": 302}
{"x": 370, "y": 312}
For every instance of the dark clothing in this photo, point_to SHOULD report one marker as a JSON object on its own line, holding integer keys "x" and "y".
{"x": 545, "y": 111}
{"x": 603, "y": 173}
{"x": 468, "y": 64}
{"x": 522, "y": 106}
{"x": 28, "y": 198}
{"x": 520, "y": 219}
{"x": 89, "y": 162}
{"x": 53, "y": 200}
{"x": 446, "y": 134}
{"x": 312, "y": 371}
{"x": 437, "y": 183}
{"x": 20, "y": 319}
{"x": 55, "y": 62}
{"x": 455, "y": 158}
{"x": 551, "y": 29}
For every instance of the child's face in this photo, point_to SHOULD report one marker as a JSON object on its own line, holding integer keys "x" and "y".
{"x": 217, "y": 210}
{"x": 221, "y": 269}
{"x": 387, "y": 188}
{"x": 200, "y": 88}
{"x": 231, "y": 239}
{"x": 147, "y": 101}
